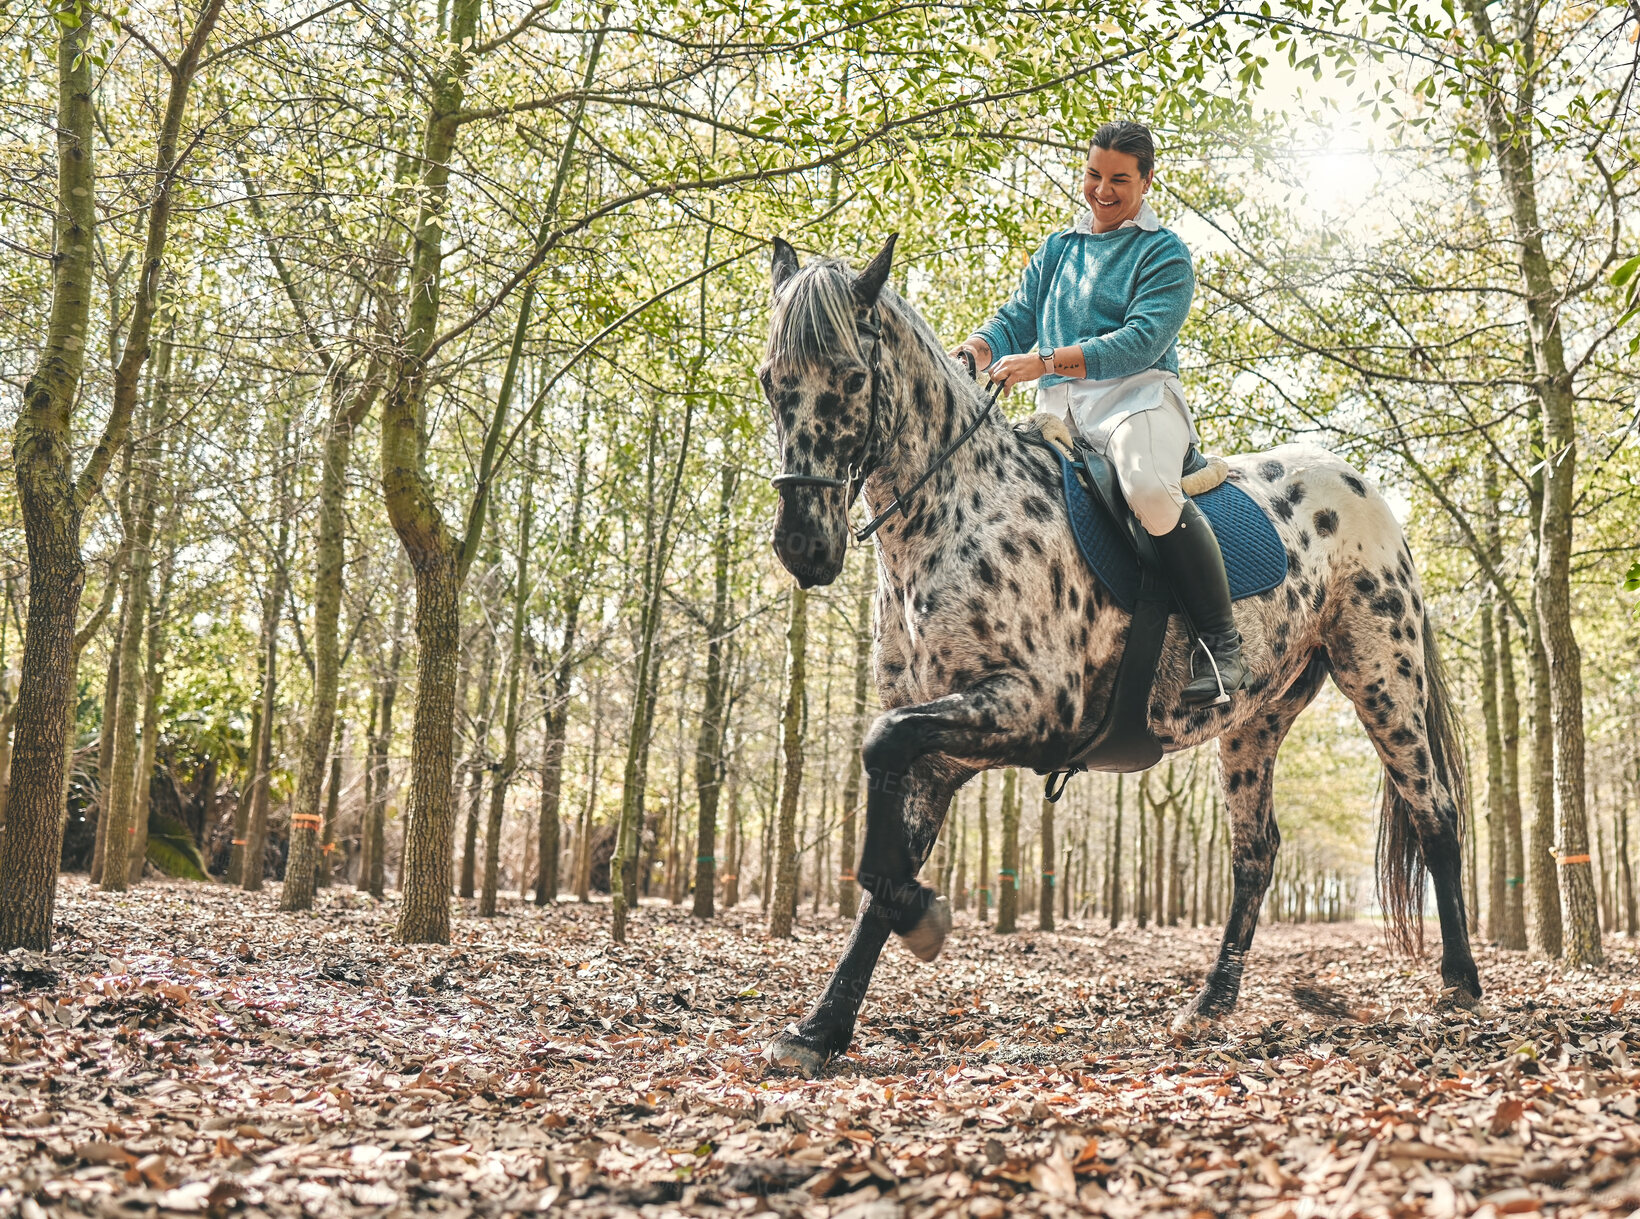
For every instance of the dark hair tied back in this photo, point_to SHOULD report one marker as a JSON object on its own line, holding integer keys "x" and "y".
{"x": 1124, "y": 135}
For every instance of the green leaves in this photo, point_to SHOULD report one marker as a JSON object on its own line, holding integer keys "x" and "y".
{"x": 1627, "y": 277}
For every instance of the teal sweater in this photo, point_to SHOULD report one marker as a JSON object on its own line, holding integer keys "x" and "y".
{"x": 1120, "y": 296}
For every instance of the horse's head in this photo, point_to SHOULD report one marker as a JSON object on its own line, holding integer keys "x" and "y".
{"x": 822, "y": 378}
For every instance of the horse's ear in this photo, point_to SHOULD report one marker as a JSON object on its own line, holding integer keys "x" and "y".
{"x": 784, "y": 265}
{"x": 868, "y": 285}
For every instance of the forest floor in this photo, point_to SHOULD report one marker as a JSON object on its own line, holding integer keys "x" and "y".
{"x": 186, "y": 1048}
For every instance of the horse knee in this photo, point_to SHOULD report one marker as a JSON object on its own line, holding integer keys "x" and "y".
{"x": 885, "y": 752}
{"x": 1156, "y": 502}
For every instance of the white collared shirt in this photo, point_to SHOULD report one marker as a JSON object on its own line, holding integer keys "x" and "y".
{"x": 1144, "y": 219}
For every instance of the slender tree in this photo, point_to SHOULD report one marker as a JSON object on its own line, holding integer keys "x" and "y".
{"x": 709, "y": 741}
{"x": 791, "y": 783}
{"x": 1046, "y": 898}
{"x": 53, "y": 499}
{"x": 1008, "y": 872}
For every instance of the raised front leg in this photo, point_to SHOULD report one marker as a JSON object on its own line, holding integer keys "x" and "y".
{"x": 905, "y": 803}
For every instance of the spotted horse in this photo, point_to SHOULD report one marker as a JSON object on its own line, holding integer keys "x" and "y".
{"x": 996, "y": 645}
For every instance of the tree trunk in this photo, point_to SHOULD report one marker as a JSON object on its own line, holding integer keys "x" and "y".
{"x": 322, "y": 872}
{"x": 1625, "y": 862}
{"x": 583, "y": 868}
{"x": 476, "y": 766}
{"x": 374, "y": 877}
{"x": 1497, "y": 831}
{"x": 349, "y": 406}
{"x": 1044, "y": 915}
{"x": 247, "y": 783}
{"x": 509, "y": 730}
{"x": 1511, "y": 119}
{"x": 438, "y": 558}
{"x": 1115, "y": 872}
{"x": 983, "y": 908}
{"x": 791, "y": 785}
{"x": 557, "y": 699}
{"x": 658, "y": 553}
{"x": 119, "y": 837}
{"x": 424, "y": 913}
{"x": 105, "y": 737}
{"x": 105, "y": 742}
{"x": 709, "y": 760}
{"x": 52, "y": 500}
{"x": 1008, "y": 872}
{"x": 157, "y": 623}
{"x": 256, "y": 825}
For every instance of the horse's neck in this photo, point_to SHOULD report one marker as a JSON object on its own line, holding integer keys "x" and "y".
{"x": 927, "y": 409}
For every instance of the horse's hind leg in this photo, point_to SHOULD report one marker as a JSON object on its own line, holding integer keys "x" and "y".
{"x": 1399, "y": 692}
{"x": 828, "y": 1027}
{"x": 1247, "y": 763}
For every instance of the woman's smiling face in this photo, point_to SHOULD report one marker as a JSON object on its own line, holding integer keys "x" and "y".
{"x": 1113, "y": 187}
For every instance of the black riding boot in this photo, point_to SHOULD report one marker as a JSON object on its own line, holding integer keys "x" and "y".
{"x": 1194, "y": 566}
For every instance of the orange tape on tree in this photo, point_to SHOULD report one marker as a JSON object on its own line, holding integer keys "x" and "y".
{"x": 1566, "y": 860}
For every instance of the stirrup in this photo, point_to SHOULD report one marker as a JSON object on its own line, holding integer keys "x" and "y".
{"x": 1218, "y": 678}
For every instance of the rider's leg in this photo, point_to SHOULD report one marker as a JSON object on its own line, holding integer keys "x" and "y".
{"x": 1148, "y": 451}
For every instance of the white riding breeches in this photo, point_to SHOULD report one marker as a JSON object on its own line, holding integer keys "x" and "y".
{"x": 1145, "y": 443}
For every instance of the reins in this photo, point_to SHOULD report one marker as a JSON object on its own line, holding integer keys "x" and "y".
{"x": 857, "y": 470}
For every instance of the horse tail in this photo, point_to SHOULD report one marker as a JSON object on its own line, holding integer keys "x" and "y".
{"x": 1400, "y": 852}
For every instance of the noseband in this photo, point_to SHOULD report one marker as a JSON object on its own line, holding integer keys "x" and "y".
{"x": 861, "y": 467}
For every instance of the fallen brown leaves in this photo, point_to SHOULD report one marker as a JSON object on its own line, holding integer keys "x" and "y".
{"x": 189, "y": 1049}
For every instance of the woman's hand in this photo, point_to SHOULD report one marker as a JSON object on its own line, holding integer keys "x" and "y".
{"x": 976, "y": 347}
{"x": 1017, "y": 370}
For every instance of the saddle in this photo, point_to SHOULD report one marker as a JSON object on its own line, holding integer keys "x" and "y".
{"x": 1123, "y": 555}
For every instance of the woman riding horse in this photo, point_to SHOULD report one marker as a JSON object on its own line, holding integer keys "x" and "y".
{"x": 1095, "y": 323}
{"x": 998, "y": 645}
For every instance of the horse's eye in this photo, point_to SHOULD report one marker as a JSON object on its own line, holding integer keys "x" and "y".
{"x": 855, "y": 383}
{"x": 767, "y": 381}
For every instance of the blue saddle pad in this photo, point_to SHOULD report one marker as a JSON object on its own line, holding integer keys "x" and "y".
{"x": 1254, "y": 556}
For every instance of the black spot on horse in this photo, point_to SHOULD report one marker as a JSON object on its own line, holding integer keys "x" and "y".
{"x": 1365, "y": 584}
{"x": 1271, "y": 470}
{"x": 1283, "y": 509}
{"x": 1010, "y": 549}
{"x": 986, "y": 573}
{"x": 1326, "y": 522}
{"x": 1295, "y": 494}
{"x": 1356, "y": 485}
{"x": 1390, "y": 605}
{"x": 1037, "y": 508}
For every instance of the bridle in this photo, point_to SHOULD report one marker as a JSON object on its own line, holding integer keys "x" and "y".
{"x": 861, "y": 467}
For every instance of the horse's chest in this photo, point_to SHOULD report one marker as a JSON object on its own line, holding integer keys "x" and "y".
{"x": 925, "y": 647}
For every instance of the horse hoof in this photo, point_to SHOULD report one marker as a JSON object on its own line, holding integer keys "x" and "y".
{"x": 1191, "y": 1025}
{"x": 1459, "y": 998}
{"x": 790, "y": 1049}
{"x": 927, "y": 938}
